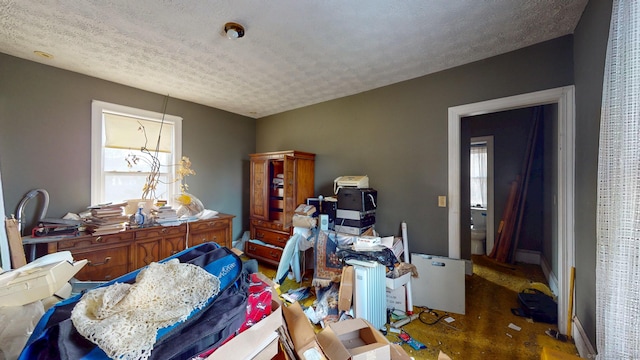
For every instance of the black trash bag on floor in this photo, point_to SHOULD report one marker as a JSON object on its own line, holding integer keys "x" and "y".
{"x": 385, "y": 256}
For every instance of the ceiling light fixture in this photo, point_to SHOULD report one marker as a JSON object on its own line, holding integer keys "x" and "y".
{"x": 233, "y": 30}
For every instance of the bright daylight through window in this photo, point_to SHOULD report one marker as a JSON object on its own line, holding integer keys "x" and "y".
{"x": 119, "y": 168}
{"x": 478, "y": 172}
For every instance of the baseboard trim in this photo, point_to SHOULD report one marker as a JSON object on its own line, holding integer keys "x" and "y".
{"x": 584, "y": 346}
{"x": 551, "y": 277}
{"x": 528, "y": 256}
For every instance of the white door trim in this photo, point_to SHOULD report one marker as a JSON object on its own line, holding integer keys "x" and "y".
{"x": 565, "y": 98}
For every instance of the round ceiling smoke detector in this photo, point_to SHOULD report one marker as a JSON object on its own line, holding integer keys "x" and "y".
{"x": 233, "y": 30}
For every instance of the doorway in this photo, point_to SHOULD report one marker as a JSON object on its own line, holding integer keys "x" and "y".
{"x": 564, "y": 97}
{"x": 488, "y": 202}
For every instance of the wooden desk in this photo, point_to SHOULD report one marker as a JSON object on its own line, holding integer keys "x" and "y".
{"x": 113, "y": 255}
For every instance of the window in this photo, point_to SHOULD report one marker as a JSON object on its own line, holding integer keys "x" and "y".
{"x": 117, "y": 136}
{"x": 478, "y": 174}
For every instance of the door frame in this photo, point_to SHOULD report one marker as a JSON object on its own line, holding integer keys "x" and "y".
{"x": 564, "y": 97}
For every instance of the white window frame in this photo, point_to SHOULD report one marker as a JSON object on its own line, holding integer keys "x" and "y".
{"x": 97, "y": 141}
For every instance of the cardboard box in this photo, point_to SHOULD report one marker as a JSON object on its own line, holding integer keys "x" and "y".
{"x": 397, "y": 282}
{"x": 268, "y": 351}
{"x": 307, "y": 343}
{"x": 251, "y": 342}
{"x": 353, "y": 339}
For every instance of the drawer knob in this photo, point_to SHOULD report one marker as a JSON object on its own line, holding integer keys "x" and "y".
{"x": 99, "y": 239}
{"x": 252, "y": 248}
{"x": 106, "y": 260}
{"x": 259, "y": 234}
{"x": 275, "y": 255}
{"x": 164, "y": 230}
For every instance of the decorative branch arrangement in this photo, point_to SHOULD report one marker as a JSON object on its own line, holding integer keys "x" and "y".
{"x": 153, "y": 179}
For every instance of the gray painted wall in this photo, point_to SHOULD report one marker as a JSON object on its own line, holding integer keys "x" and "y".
{"x": 397, "y": 135}
{"x": 45, "y": 117}
{"x": 590, "y": 46}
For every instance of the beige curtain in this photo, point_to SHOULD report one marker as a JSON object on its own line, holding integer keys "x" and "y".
{"x": 123, "y": 133}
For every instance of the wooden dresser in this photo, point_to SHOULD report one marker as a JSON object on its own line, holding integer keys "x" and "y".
{"x": 113, "y": 255}
{"x": 280, "y": 181}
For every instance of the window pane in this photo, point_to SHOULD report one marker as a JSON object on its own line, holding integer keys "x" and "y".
{"x": 478, "y": 176}
{"x": 124, "y": 186}
{"x": 116, "y": 160}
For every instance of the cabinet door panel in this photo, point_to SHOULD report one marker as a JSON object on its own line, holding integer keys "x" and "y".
{"x": 259, "y": 206}
{"x": 147, "y": 252}
{"x": 289, "y": 190}
{"x": 172, "y": 245}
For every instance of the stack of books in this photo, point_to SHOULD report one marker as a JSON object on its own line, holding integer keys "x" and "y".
{"x": 165, "y": 214}
{"x": 106, "y": 219}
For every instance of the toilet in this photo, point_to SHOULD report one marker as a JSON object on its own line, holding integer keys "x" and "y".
{"x": 478, "y": 230}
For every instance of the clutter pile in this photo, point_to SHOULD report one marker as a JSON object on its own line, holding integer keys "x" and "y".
{"x": 356, "y": 211}
{"x": 56, "y": 227}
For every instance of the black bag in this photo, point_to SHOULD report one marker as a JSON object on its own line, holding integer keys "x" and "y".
{"x": 385, "y": 256}
{"x": 537, "y": 305}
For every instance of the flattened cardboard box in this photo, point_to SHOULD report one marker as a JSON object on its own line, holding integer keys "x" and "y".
{"x": 301, "y": 333}
{"x": 345, "y": 294}
{"x": 243, "y": 345}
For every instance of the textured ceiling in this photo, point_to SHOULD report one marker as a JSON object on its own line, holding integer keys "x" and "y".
{"x": 295, "y": 53}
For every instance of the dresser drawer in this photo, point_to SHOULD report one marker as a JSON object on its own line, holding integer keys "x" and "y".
{"x": 266, "y": 253}
{"x": 160, "y": 231}
{"x": 93, "y": 241}
{"x": 212, "y": 224}
{"x": 267, "y": 224}
{"x": 216, "y": 235}
{"x": 104, "y": 265}
{"x": 272, "y": 237}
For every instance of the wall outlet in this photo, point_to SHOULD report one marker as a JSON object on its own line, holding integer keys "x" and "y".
{"x": 442, "y": 201}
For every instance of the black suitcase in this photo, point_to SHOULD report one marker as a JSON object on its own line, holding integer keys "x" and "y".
{"x": 537, "y": 305}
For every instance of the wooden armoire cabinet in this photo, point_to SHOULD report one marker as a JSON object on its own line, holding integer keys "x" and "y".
{"x": 280, "y": 181}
